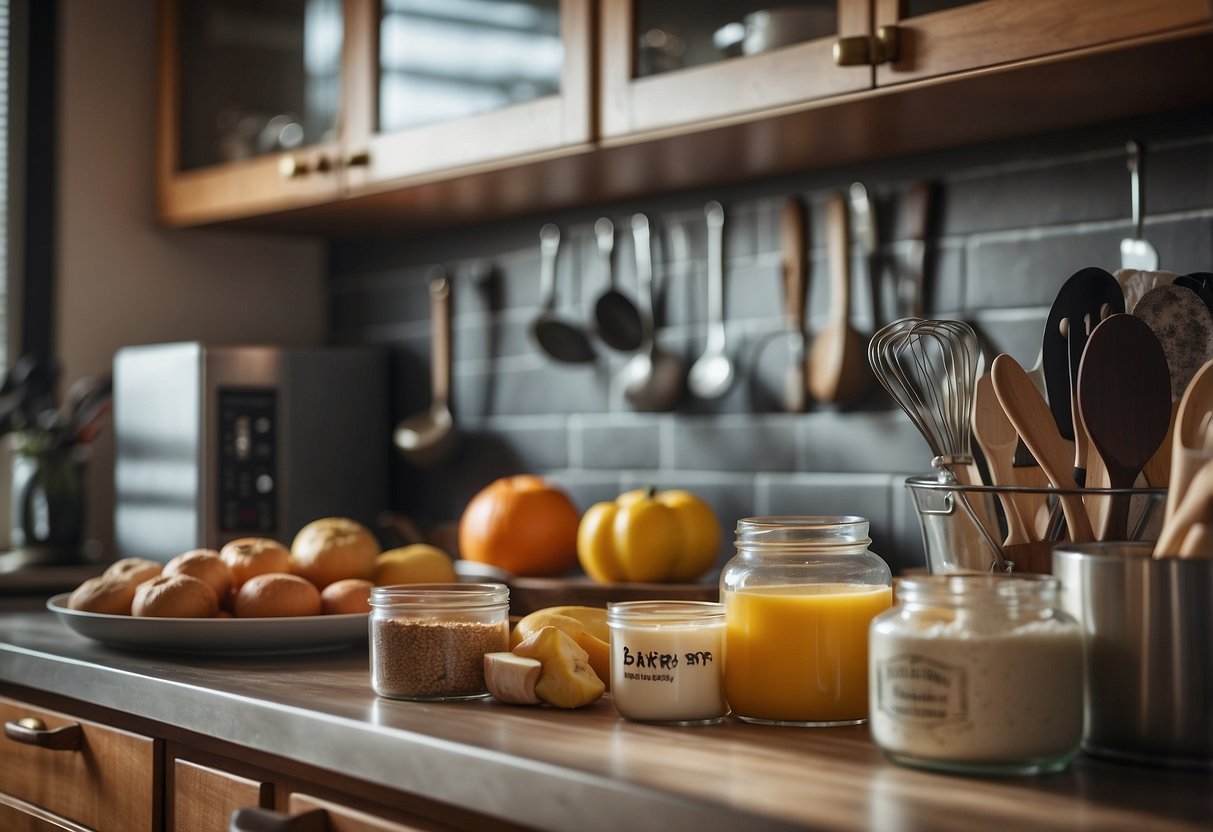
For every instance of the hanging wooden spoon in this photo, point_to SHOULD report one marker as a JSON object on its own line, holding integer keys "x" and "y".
{"x": 1124, "y": 398}
{"x": 1032, "y": 420}
{"x": 838, "y": 369}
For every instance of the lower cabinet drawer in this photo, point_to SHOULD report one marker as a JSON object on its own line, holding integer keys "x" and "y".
{"x": 344, "y": 819}
{"x": 91, "y": 774}
{"x": 204, "y": 798}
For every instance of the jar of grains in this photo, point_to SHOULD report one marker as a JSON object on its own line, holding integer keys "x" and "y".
{"x": 799, "y": 596}
{"x": 667, "y": 661}
{"x": 977, "y": 674}
{"x": 428, "y": 640}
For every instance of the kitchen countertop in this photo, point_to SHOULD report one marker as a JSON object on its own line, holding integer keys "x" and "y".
{"x": 583, "y": 769}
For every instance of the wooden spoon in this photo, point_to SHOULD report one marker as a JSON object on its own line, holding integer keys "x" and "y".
{"x": 1195, "y": 507}
{"x": 997, "y": 437}
{"x": 838, "y": 370}
{"x": 792, "y": 240}
{"x": 1198, "y": 542}
{"x": 1188, "y": 452}
{"x": 1032, "y": 420}
{"x": 1124, "y": 398}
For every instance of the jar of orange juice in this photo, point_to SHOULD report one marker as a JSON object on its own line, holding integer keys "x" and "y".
{"x": 799, "y": 596}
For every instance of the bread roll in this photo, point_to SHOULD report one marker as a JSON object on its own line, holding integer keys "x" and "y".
{"x": 332, "y": 549}
{"x": 276, "y": 595}
{"x": 110, "y": 594}
{"x": 135, "y": 570}
{"x": 346, "y": 596}
{"x": 174, "y": 596}
{"x": 252, "y": 556}
{"x": 206, "y": 566}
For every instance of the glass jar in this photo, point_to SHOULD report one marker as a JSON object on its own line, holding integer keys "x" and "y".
{"x": 799, "y": 596}
{"x": 977, "y": 674}
{"x": 667, "y": 661}
{"x": 428, "y": 640}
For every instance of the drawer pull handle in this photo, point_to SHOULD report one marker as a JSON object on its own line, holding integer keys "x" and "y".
{"x": 33, "y": 731}
{"x": 266, "y": 820}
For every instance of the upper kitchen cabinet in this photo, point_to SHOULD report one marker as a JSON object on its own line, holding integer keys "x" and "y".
{"x": 447, "y": 86}
{"x": 269, "y": 107}
{"x": 668, "y": 64}
{"x": 940, "y": 37}
{"x": 251, "y": 94}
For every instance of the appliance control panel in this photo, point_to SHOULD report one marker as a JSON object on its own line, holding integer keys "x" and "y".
{"x": 248, "y": 470}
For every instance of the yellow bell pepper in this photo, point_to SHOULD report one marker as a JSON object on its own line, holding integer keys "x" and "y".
{"x": 648, "y": 536}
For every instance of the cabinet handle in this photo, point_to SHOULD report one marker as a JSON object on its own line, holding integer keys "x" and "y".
{"x": 358, "y": 159}
{"x": 33, "y": 731}
{"x": 267, "y": 820}
{"x": 293, "y": 167}
{"x": 868, "y": 50}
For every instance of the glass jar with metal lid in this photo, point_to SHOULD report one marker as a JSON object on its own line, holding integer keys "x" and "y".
{"x": 977, "y": 673}
{"x": 428, "y": 640}
{"x": 799, "y": 596}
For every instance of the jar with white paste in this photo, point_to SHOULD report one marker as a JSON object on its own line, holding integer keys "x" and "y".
{"x": 667, "y": 661}
{"x": 977, "y": 674}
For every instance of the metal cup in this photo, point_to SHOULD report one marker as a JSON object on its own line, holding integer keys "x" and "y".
{"x": 1148, "y": 626}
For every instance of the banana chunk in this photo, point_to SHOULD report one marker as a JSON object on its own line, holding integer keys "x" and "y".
{"x": 512, "y": 678}
{"x": 567, "y": 679}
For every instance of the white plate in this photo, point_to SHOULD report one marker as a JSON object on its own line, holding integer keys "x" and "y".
{"x": 298, "y": 634}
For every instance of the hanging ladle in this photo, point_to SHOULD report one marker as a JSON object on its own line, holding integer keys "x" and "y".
{"x": 712, "y": 373}
{"x": 558, "y": 338}
{"x": 653, "y": 379}
{"x": 428, "y": 437}
{"x": 616, "y": 318}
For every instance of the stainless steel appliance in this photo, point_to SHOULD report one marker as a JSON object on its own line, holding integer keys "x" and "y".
{"x": 218, "y": 443}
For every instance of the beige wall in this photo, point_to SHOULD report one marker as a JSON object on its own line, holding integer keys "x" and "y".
{"x": 122, "y": 280}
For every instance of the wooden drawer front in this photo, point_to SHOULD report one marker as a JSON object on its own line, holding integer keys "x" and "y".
{"x": 17, "y": 816}
{"x": 107, "y": 784}
{"x": 344, "y": 819}
{"x": 204, "y": 798}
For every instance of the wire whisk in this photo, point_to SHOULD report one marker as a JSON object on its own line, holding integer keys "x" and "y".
{"x": 930, "y": 368}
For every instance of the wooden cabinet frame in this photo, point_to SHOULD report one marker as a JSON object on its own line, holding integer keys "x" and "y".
{"x": 1001, "y": 31}
{"x": 720, "y": 90}
{"x": 233, "y": 189}
{"x": 447, "y": 149}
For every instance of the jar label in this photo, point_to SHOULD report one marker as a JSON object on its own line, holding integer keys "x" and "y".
{"x": 660, "y": 666}
{"x": 923, "y": 691}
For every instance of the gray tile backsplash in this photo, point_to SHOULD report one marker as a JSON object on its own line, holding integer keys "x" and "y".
{"x": 1011, "y": 222}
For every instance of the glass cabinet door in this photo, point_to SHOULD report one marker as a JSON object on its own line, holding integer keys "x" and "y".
{"x": 667, "y": 63}
{"x": 462, "y": 82}
{"x": 444, "y": 60}
{"x": 938, "y": 37}
{"x": 250, "y": 99}
{"x": 257, "y": 77}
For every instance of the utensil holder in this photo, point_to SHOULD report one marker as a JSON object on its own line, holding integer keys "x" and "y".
{"x": 955, "y": 541}
{"x": 1148, "y": 628}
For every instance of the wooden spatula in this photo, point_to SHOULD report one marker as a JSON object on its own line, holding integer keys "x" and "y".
{"x": 1034, "y": 423}
{"x": 1124, "y": 398}
{"x": 1085, "y": 299}
{"x": 997, "y": 437}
